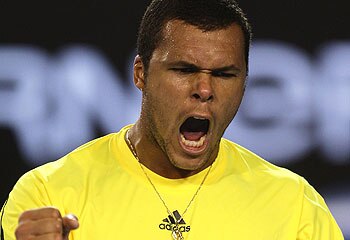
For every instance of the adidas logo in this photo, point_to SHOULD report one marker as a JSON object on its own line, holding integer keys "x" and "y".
{"x": 169, "y": 223}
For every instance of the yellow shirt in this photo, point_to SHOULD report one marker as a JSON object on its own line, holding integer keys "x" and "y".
{"x": 243, "y": 197}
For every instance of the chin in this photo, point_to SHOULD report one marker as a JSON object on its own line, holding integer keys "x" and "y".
{"x": 189, "y": 164}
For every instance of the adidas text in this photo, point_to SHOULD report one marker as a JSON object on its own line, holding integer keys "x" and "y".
{"x": 169, "y": 227}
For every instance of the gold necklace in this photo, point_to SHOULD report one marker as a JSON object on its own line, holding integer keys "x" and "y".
{"x": 175, "y": 231}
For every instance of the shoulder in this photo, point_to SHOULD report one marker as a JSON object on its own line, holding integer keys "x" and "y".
{"x": 286, "y": 190}
{"x": 85, "y": 156}
{"x": 263, "y": 177}
{"x": 254, "y": 164}
{"x": 92, "y": 159}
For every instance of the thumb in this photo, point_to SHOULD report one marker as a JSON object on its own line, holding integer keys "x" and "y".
{"x": 69, "y": 222}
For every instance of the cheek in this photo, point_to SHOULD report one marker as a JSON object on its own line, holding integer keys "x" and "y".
{"x": 168, "y": 92}
{"x": 230, "y": 101}
{"x": 162, "y": 102}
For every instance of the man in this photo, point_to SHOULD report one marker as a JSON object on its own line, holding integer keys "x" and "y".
{"x": 171, "y": 175}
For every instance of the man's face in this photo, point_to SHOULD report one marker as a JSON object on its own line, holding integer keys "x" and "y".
{"x": 194, "y": 86}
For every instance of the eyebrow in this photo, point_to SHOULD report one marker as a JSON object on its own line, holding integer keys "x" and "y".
{"x": 191, "y": 65}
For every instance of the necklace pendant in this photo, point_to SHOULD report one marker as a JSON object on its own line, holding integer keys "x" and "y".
{"x": 177, "y": 235}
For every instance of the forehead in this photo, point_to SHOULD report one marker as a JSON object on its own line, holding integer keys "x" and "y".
{"x": 185, "y": 42}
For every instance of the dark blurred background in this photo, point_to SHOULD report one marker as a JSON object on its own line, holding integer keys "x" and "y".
{"x": 65, "y": 79}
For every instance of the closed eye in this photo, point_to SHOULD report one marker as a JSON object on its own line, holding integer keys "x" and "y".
{"x": 223, "y": 74}
{"x": 185, "y": 70}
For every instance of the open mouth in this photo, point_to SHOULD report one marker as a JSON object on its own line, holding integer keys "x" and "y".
{"x": 194, "y": 131}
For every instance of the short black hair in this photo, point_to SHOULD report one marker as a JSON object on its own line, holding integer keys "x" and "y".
{"x": 207, "y": 15}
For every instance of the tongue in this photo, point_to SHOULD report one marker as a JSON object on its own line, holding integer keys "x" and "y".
{"x": 193, "y": 136}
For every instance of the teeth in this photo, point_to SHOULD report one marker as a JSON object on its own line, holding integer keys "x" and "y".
{"x": 199, "y": 118}
{"x": 190, "y": 143}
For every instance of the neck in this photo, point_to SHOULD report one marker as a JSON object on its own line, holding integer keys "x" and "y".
{"x": 153, "y": 157}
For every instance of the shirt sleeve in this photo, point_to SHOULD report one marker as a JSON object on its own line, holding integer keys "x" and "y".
{"x": 316, "y": 221}
{"x": 28, "y": 193}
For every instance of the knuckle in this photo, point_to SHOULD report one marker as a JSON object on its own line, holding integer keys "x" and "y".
{"x": 21, "y": 232}
{"x": 20, "y": 229}
{"x": 58, "y": 225}
{"x": 17, "y": 232}
{"x": 24, "y": 215}
{"x": 53, "y": 211}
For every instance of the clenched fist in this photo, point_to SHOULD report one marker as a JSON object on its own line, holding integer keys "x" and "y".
{"x": 45, "y": 224}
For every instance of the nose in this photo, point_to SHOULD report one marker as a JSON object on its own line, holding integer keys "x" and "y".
{"x": 203, "y": 89}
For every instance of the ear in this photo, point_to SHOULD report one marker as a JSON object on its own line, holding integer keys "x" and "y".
{"x": 139, "y": 73}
